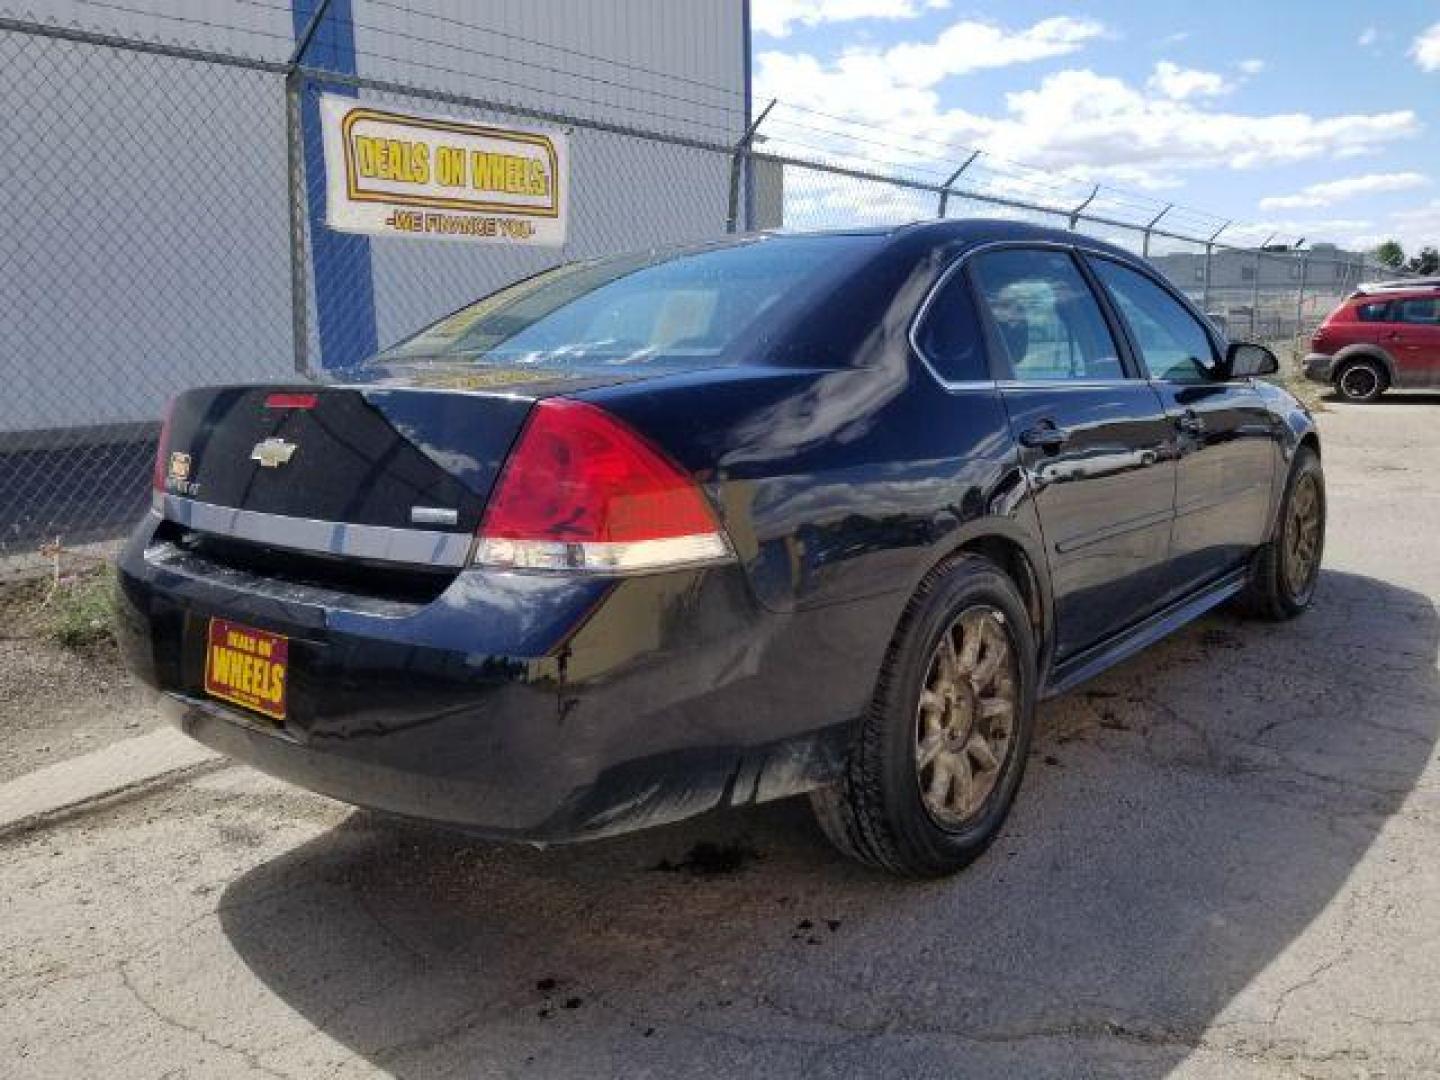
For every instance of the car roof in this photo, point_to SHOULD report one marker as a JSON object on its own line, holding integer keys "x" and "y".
{"x": 1377, "y": 292}
{"x": 963, "y": 232}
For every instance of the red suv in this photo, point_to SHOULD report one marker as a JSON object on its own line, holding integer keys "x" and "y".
{"x": 1383, "y": 335}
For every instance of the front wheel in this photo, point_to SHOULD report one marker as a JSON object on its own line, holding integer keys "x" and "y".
{"x": 1285, "y": 571}
{"x": 935, "y": 762}
{"x": 1360, "y": 381}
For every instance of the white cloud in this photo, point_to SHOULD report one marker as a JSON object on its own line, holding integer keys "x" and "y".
{"x": 1178, "y": 83}
{"x": 1369, "y": 36}
{"x": 1075, "y": 120}
{"x": 1418, "y": 226}
{"x": 1425, "y": 49}
{"x": 1252, "y": 66}
{"x": 1333, "y": 191}
{"x": 1079, "y": 117}
{"x": 775, "y": 17}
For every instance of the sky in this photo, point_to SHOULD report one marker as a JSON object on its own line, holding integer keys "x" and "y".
{"x": 1318, "y": 119}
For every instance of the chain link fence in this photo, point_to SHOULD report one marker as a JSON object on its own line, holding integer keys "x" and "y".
{"x": 161, "y": 235}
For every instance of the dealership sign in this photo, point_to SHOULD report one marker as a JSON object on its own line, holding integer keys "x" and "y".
{"x": 435, "y": 177}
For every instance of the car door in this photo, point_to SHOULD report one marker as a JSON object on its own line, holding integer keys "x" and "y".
{"x": 1413, "y": 339}
{"x": 1227, "y": 443}
{"x": 1093, "y": 439}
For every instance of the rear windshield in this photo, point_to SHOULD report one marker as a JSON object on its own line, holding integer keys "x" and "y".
{"x": 675, "y": 308}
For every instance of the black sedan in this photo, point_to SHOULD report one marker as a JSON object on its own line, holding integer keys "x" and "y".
{"x": 644, "y": 536}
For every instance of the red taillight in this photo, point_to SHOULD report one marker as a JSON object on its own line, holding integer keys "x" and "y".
{"x": 581, "y": 491}
{"x": 290, "y": 401}
{"x": 162, "y": 450}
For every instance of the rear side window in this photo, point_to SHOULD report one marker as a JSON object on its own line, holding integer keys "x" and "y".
{"x": 1170, "y": 339}
{"x": 1426, "y": 312}
{"x": 1048, "y": 324}
{"x": 950, "y": 334}
{"x": 1373, "y": 312}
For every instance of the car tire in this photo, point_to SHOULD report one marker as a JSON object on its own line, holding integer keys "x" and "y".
{"x": 1360, "y": 381}
{"x": 1280, "y": 587}
{"x": 912, "y": 817}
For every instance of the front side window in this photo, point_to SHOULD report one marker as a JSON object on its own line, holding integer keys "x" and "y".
{"x": 1425, "y": 312}
{"x": 1171, "y": 341}
{"x": 1048, "y": 324}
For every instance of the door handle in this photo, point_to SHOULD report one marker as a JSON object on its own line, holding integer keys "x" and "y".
{"x": 1190, "y": 424}
{"x": 1044, "y": 436}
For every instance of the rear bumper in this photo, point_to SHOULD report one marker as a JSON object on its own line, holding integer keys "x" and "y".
{"x": 519, "y": 706}
{"x": 1318, "y": 367}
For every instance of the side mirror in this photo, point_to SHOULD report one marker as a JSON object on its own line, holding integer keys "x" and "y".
{"x": 1245, "y": 359}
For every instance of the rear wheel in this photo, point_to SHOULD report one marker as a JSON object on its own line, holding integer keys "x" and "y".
{"x": 1285, "y": 571}
{"x": 1361, "y": 380}
{"x": 935, "y": 763}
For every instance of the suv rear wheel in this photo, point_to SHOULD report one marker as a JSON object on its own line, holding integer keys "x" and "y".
{"x": 1360, "y": 380}
{"x": 935, "y": 763}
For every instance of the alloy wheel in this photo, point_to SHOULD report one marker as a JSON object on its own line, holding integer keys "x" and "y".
{"x": 1359, "y": 382}
{"x": 965, "y": 718}
{"x": 1302, "y": 536}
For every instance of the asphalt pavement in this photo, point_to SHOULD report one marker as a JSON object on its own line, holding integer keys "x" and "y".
{"x": 1222, "y": 863}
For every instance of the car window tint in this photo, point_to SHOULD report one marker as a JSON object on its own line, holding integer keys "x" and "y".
{"x": 1048, "y": 323}
{"x": 1419, "y": 311}
{"x": 950, "y": 335}
{"x": 664, "y": 308}
{"x": 1170, "y": 339}
{"x": 1372, "y": 312}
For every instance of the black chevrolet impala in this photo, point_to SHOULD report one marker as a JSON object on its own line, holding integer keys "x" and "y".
{"x": 644, "y": 536}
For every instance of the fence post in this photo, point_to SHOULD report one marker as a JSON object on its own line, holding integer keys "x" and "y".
{"x": 738, "y": 155}
{"x": 1075, "y": 214}
{"x": 1255, "y": 285}
{"x": 1145, "y": 244}
{"x": 1209, "y": 251}
{"x": 1300, "y": 298}
{"x": 295, "y": 191}
{"x": 295, "y": 196}
{"x": 945, "y": 189}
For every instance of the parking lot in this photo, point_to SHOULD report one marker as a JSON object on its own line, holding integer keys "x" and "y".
{"x": 1222, "y": 863}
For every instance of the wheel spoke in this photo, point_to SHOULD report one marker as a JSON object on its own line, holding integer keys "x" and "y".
{"x": 962, "y": 786}
{"x": 949, "y": 663}
{"x": 930, "y": 748}
{"x": 980, "y": 752}
{"x": 972, "y": 630}
{"x": 995, "y": 655}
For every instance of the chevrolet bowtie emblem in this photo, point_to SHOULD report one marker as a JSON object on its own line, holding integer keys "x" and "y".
{"x": 271, "y": 453}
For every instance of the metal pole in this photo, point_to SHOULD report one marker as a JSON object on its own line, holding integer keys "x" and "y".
{"x": 738, "y": 154}
{"x": 1075, "y": 214}
{"x": 1255, "y": 284}
{"x": 295, "y": 191}
{"x": 1209, "y": 250}
{"x": 1300, "y": 298}
{"x": 295, "y": 195}
{"x": 945, "y": 189}
{"x": 1145, "y": 246}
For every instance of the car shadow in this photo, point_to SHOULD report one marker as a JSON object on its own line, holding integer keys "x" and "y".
{"x": 1185, "y": 817}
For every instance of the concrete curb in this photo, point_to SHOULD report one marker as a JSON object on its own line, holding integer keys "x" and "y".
{"x": 124, "y": 767}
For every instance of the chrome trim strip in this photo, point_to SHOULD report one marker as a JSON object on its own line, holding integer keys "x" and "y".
{"x": 379, "y": 543}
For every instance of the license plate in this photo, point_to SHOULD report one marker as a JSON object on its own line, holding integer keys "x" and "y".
{"x": 247, "y": 667}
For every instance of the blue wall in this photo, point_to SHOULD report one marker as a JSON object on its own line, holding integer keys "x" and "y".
{"x": 340, "y": 262}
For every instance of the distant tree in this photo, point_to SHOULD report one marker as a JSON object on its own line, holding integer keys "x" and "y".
{"x": 1390, "y": 254}
{"x": 1427, "y": 262}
